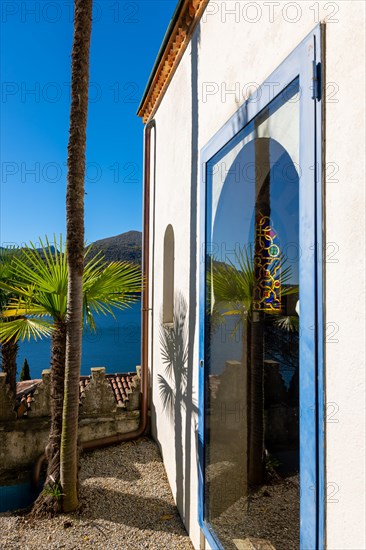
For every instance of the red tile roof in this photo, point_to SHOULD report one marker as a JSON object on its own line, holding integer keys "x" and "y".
{"x": 121, "y": 385}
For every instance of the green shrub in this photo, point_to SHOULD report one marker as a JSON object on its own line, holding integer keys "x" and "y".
{"x": 25, "y": 374}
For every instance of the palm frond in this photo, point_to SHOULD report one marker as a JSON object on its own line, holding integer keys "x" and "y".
{"x": 233, "y": 282}
{"x": 287, "y": 290}
{"x": 36, "y": 281}
{"x": 289, "y": 323}
{"x": 45, "y": 268}
{"x": 6, "y": 257}
{"x": 97, "y": 257}
{"x": 24, "y": 328}
{"x": 109, "y": 286}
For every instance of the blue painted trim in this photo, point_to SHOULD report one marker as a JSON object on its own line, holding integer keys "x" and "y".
{"x": 319, "y": 50}
{"x": 299, "y": 64}
{"x": 201, "y": 372}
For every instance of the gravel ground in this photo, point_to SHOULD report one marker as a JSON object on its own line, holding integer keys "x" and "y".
{"x": 126, "y": 503}
{"x": 272, "y": 513}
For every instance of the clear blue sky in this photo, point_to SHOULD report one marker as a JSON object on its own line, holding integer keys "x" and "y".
{"x": 35, "y": 102}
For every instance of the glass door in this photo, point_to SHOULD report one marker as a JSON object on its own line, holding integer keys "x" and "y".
{"x": 252, "y": 331}
{"x": 261, "y": 392}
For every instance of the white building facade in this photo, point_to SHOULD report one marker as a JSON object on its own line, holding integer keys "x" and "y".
{"x": 254, "y": 151}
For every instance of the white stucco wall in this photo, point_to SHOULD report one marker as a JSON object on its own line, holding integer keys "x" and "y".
{"x": 234, "y": 51}
{"x": 345, "y": 281}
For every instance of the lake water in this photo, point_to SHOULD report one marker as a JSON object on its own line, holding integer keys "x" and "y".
{"x": 115, "y": 345}
{"x": 16, "y": 497}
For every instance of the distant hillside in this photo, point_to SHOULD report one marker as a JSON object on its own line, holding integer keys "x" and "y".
{"x": 124, "y": 247}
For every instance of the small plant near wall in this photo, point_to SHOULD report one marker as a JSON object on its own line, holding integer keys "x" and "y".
{"x": 54, "y": 491}
{"x": 271, "y": 466}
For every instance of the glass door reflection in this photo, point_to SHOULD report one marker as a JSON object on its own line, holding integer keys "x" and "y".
{"x": 252, "y": 332}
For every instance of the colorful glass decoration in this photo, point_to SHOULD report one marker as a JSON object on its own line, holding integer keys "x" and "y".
{"x": 267, "y": 266}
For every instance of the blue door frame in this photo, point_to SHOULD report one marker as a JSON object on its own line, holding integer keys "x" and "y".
{"x": 305, "y": 63}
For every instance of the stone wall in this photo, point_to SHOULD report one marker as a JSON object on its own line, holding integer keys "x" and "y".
{"x": 23, "y": 438}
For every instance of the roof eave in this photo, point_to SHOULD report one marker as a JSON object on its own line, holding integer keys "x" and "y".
{"x": 177, "y": 38}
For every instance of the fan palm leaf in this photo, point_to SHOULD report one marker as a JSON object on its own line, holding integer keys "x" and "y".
{"x": 24, "y": 328}
{"x": 289, "y": 323}
{"x": 36, "y": 281}
{"x": 233, "y": 286}
{"x": 234, "y": 282}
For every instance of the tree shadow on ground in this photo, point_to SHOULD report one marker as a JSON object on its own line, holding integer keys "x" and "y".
{"x": 118, "y": 471}
{"x": 135, "y": 511}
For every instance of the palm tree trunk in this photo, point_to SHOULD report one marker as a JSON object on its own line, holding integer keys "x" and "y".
{"x": 243, "y": 393}
{"x": 46, "y": 504}
{"x": 75, "y": 248}
{"x": 57, "y": 399}
{"x": 9, "y": 352}
{"x": 256, "y": 401}
{"x": 256, "y": 366}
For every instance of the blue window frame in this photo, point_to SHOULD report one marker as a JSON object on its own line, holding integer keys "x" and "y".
{"x": 303, "y": 65}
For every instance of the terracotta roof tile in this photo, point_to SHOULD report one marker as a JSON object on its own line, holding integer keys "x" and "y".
{"x": 121, "y": 384}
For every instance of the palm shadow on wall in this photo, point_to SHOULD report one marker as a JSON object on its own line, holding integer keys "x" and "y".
{"x": 173, "y": 388}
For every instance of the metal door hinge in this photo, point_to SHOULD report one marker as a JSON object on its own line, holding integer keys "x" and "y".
{"x": 317, "y": 81}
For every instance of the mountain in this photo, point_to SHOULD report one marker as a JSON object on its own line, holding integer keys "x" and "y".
{"x": 124, "y": 247}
